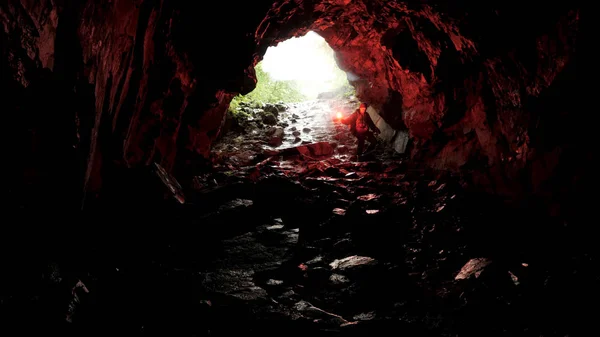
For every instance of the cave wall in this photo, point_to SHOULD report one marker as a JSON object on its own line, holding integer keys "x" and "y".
{"x": 95, "y": 86}
{"x": 123, "y": 82}
{"x": 477, "y": 84}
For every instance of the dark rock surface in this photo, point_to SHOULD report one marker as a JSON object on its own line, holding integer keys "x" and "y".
{"x": 129, "y": 211}
{"x": 487, "y": 88}
{"x": 327, "y": 248}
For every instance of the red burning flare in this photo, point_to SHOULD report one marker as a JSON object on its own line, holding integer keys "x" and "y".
{"x": 339, "y": 115}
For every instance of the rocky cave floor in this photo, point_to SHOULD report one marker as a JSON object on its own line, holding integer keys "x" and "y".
{"x": 287, "y": 235}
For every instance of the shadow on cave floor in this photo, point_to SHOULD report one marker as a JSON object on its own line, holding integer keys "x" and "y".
{"x": 317, "y": 246}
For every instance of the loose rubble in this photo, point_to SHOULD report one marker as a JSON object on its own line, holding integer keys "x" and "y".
{"x": 303, "y": 240}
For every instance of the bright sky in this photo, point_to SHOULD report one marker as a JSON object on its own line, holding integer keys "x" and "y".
{"x": 307, "y": 59}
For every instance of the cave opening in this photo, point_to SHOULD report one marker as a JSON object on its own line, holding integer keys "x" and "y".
{"x": 297, "y": 79}
{"x": 299, "y": 102}
{"x": 213, "y": 213}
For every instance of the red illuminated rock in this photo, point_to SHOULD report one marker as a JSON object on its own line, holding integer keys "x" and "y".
{"x": 481, "y": 88}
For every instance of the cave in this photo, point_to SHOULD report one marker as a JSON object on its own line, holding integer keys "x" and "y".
{"x": 136, "y": 205}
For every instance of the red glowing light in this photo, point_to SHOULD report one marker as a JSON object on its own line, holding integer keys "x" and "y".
{"x": 339, "y": 115}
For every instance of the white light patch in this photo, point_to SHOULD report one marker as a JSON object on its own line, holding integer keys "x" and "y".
{"x": 308, "y": 60}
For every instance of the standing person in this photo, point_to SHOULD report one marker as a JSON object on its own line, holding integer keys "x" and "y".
{"x": 361, "y": 125}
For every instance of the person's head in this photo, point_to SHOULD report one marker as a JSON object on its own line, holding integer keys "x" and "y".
{"x": 362, "y": 108}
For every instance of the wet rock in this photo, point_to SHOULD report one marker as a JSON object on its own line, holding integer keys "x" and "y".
{"x": 401, "y": 141}
{"x": 296, "y": 133}
{"x": 367, "y": 316}
{"x": 289, "y": 298}
{"x": 306, "y": 130}
{"x": 339, "y": 211}
{"x": 271, "y": 108}
{"x": 315, "y": 260}
{"x": 243, "y": 158}
{"x": 473, "y": 268}
{"x": 293, "y": 128}
{"x": 342, "y": 149}
{"x": 281, "y": 107}
{"x": 368, "y": 197}
{"x": 269, "y": 119}
{"x": 245, "y": 256}
{"x": 276, "y": 137}
{"x": 297, "y": 140}
{"x": 319, "y": 315}
{"x": 249, "y": 293}
{"x": 294, "y": 116}
{"x": 272, "y": 282}
{"x": 316, "y": 149}
{"x": 275, "y": 227}
{"x": 352, "y": 262}
{"x": 235, "y": 204}
{"x": 78, "y": 292}
{"x": 338, "y": 279}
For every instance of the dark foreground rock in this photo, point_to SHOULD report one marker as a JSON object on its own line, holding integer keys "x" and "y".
{"x": 327, "y": 249}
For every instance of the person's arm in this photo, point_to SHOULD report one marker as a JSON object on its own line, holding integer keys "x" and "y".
{"x": 372, "y": 124}
{"x": 350, "y": 119}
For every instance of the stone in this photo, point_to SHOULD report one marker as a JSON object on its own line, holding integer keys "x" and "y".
{"x": 473, "y": 268}
{"x": 235, "y": 204}
{"x": 368, "y": 197}
{"x": 269, "y": 119}
{"x": 339, "y": 211}
{"x": 367, "y": 316}
{"x": 316, "y": 149}
{"x": 276, "y": 137}
{"x": 351, "y": 262}
{"x": 401, "y": 141}
{"x": 315, "y": 260}
{"x": 338, "y": 279}
{"x": 272, "y": 109}
{"x": 272, "y": 282}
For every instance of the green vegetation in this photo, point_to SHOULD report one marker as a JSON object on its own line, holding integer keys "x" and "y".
{"x": 348, "y": 91}
{"x": 269, "y": 91}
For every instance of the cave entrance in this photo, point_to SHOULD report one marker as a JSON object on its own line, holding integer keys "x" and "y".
{"x": 299, "y": 69}
{"x": 300, "y": 98}
{"x": 309, "y": 63}
{"x": 300, "y": 73}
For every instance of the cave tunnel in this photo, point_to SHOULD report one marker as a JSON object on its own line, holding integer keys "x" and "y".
{"x": 138, "y": 204}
